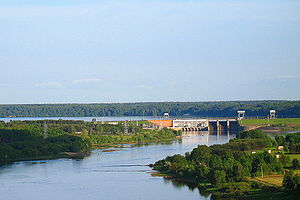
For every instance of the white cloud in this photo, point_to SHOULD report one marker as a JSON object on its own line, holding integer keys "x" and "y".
{"x": 49, "y": 84}
{"x": 87, "y": 80}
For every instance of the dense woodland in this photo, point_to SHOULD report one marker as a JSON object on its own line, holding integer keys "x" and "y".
{"x": 221, "y": 109}
{"x": 29, "y": 139}
{"x": 229, "y": 166}
{"x": 22, "y": 144}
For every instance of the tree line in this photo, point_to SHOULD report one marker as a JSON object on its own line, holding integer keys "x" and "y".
{"x": 213, "y": 109}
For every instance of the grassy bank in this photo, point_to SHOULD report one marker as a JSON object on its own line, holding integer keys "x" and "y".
{"x": 146, "y": 136}
{"x": 272, "y": 125}
{"x": 271, "y": 122}
{"x": 118, "y": 144}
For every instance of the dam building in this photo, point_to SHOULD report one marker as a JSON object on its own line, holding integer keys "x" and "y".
{"x": 212, "y": 125}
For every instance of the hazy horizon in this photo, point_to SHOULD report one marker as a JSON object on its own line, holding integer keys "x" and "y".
{"x": 148, "y": 51}
{"x": 137, "y": 102}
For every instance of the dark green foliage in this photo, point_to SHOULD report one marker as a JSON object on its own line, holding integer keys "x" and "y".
{"x": 228, "y": 108}
{"x": 291, "y": 182}
{"x": 14, "y": 135}
{"x": 70, "y": 143}
{"x": 280, "y": 139}
{"x": 24, "y": 139}
{"x": 236, "y": 188}
{"x": 227, "y": 163}
{"x": 58, "y": 127}
{"x": 294, "y": 147}
{"x": 227, "y": 166}
{"x": 201, "y": 172}
{"x": 262, "y": 139}
{"x": 295, "y": 164}
{"x": 291, "y": 142}
{"x": 257, "y": 133}
{"x": 153, "y": 135}
{"x": 249, "y": 144}
{"x": 7, "y": 152}
{"x": 293, "y": 138}
{"x": 284, "y": 160}
{"x": 218, "y": 177}
{"x": 238, "y": 172}
{"x": 24, "y": 145}
{"x": 201, "y": 154}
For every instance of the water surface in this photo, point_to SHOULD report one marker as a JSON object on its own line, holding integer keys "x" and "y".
{"x": 103, "y": 175}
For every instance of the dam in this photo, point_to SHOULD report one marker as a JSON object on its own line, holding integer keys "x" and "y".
{"x": 212, "y": 125}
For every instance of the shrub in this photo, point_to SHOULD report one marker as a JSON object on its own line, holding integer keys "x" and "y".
{"x": 237, "y": 188}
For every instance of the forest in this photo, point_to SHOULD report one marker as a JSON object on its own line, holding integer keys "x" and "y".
{"x": 21, "y": 144}
{"x": 210, "y": 109}
{"x": 21, "y": 140}
{"x": 228, "y": 168}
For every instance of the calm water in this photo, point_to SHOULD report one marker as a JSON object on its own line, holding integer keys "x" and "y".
{"x": 102, "y": 175}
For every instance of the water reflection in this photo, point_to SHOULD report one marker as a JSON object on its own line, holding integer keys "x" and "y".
{"x": 178, "y": 184}
{"x": 169, "y": 142}
{"x": 190, "y": 186}
{"x": 206, "y": 136}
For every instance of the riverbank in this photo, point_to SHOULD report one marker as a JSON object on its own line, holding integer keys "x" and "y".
{"x": 117, "y": 144}
{"x": 102, "y": 173}
{"x": 261, "y": 192}
{"x": 105, "y": 147}
{"x": 67, "y": 155}
{"x": 80, "y": 155}
{"x": 225, "y": 170}
{"x": 275, "y": 126}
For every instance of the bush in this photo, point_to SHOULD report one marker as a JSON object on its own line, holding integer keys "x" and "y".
{"x": 236, "y": 188}
{"x": 7, "y": 152}
{"x": 218, "y": 177}
{"x": 291, "y": 182}
{"x": 296, "y": 164}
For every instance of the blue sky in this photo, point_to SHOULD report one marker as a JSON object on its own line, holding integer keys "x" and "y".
{"x": 62, "y": 51}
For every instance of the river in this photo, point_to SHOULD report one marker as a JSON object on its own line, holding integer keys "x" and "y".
{"x": 112, "y": 175}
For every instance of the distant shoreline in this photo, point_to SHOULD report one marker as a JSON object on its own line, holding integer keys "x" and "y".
{"x": 284, "y": 108}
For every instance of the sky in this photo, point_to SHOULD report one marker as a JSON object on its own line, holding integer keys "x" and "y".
{"x": 98, "y": 51}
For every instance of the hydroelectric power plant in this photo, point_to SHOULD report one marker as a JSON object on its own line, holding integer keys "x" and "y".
{"x": 211, "y": 125}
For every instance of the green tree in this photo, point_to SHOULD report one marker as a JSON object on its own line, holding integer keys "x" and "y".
{"x": 84, "y": 133}
{"x": 295, "y": 164}
{"x": 218, "y": 177}
{"x": 285, "y": 160}
{"x": 291, "y": 182}
{"x": 201, "y": 154}
{"x": 238, "y": 172}
{"x": 280, "y": 139}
